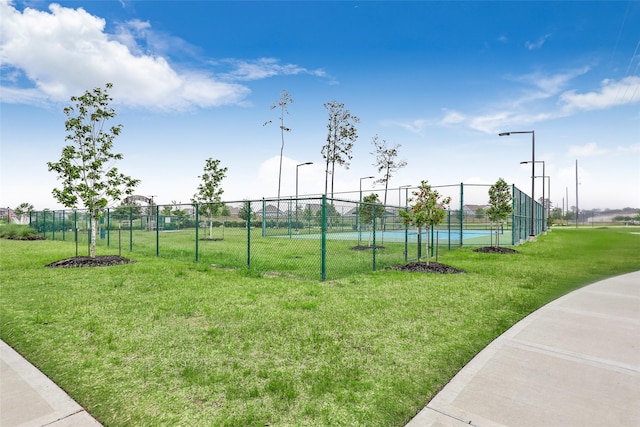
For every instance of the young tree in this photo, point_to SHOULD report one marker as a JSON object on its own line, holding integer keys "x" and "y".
{"x": 125, "y": 211}
{"x": 87, "y": 165}
{"x": 386, "y": 162}
{"x": 283, "y": 102}
{"x": 342, "y": 133}
{"x": 209, "y": 191}
{"x": 177, "y": 212}
{"x": 243, "y": 213}
{"x": 427, "y": 211}
{"x": 370, "y": 209}
{"x": 22, "y": 211}
{"x": 501, "y": 206}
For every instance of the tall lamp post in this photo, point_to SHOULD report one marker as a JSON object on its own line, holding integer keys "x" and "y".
{"x": 532, "y": 235}
{"x": 544, "y": 201}
{"x": 296, "y": 208}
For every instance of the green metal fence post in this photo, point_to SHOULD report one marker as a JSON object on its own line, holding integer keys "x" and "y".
{"x": 449, "y": 228}
{"x": 131, "y": 229}
{"x": 323, "y": 240}
{"x": 513, "y": 214}
{"x": 406, "y": 226}
{"x": 197, "y": 232}
{"x": 53, "y": 225}
{"x": 108, "y": 227}
{"x": 461, "y": 210}
{"x": 249, "y": 231}
{"x": 432, "y": 241}
{"x": 157, "y": 230}
{"x": 374, "y": 239}
{"x": 64, "y": 225}
{"x": 264, "y": 217}
{"x": 44, "y": 223}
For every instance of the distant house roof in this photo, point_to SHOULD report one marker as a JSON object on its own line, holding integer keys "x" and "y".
{"x": 270, "y": 211}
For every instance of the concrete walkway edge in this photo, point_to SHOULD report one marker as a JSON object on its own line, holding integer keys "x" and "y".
{"x": 573, "y": 362}
{"x": 28, "y": 398}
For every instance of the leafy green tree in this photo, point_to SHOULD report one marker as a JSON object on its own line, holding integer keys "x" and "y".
{"x": 210, "y": 191}
{"x": 370, "y": 209}
{"x": 501, "y": 206}
{"x": 22, "y": 210}
{"x": 243, "y": 213}
{"x": 333, "y": 216}
{"x": 307, "y": 214}
{"x": 86, "y": 167}
{"x": 166, "y": 210}
{"x": 125, "y": 211}
{"x": 178, "y": 212}
{"x": 426, "y": 211}
{"x": 342, "y": 133}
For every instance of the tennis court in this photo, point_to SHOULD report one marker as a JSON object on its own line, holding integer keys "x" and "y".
{"x": 399, "y": 236}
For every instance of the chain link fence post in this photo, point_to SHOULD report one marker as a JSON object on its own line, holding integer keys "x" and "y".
{"x": 323, "y": 239}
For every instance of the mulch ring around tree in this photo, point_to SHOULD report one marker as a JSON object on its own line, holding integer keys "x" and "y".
{"x": 364, "y": 248}
{"x": 25, "y": 238}
{"x": 432, "y": 267}
{"x": 85, "y": 261}
{"x": 496, "y": 250}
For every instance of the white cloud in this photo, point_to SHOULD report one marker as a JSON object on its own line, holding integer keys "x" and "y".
{"x": 611, "y": 93}
{"x": 413, "y": 126}
{"x": 264, "y": 68}
{"x": 633, "y": 148}
{"x": 452, "y": 117}
{"x": 537, "y": 44}
{"x": 588, "y": 150}
{"x": 66, "y": 51}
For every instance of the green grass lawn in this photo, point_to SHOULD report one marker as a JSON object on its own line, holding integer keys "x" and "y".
{"x": 170, "y": 342}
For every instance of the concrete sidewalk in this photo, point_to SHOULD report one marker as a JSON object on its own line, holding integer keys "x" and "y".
{"x": 29, "y": 399}
{"x": 574, "y": 362}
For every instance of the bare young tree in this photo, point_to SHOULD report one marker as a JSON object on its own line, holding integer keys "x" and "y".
{"x": 386, "y": 162}
{"x": 283, "y": 102}
{"x": 342, "y": 133}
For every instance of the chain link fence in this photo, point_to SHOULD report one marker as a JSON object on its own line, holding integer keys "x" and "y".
{"x": 311, "y": 237}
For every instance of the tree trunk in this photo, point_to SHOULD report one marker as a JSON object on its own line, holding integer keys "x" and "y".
{"x": 94, "y": 233}
{"x": 428, "y": 253}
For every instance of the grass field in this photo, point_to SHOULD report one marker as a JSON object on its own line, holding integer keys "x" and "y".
{"x": 170, "y": 342}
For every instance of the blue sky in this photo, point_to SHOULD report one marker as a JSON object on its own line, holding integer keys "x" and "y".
{"x": 195, "y": 79}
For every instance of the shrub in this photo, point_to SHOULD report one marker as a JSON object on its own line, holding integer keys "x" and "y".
{"x": 17, "y": 232}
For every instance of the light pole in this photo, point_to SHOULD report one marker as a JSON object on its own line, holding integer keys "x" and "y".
{"x": 544, "y": 202}
{"x": 296, "y": 208}
{"x": 532, "y": 235}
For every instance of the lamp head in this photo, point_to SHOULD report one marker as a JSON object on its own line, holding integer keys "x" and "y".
{"x": 504, "y": 134}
